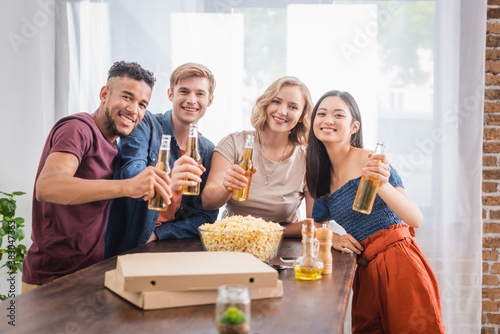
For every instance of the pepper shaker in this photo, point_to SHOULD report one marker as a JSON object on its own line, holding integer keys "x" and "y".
{"x": 324, "y": 236}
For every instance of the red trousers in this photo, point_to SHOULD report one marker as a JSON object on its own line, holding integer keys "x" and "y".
{"x": 395, "y": 290}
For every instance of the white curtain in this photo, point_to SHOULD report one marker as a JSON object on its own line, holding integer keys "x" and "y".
{"x": 429, "y": 110}
{"x": 459, "y": 98}
{"x": 29, "y": 103}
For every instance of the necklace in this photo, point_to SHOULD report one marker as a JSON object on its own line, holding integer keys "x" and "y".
{"x": 262, "y": 161}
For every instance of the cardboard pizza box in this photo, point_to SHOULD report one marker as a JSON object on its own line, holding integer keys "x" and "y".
{"x": 181, "y": 271}
{"x": 151, "y": 300}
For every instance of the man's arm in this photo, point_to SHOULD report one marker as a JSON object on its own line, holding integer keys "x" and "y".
{"x": 57, "y": 183}
{"x": 135, "y": 149}
{"x": 191, "y": 213}
{"x": 188, "y": 227}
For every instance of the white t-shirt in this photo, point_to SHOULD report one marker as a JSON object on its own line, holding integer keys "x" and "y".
{"x": 279, "y": 201}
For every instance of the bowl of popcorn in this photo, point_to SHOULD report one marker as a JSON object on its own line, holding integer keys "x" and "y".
{"x": 247, "y": 234}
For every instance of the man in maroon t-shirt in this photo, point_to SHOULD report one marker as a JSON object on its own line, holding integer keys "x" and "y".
{"x": 74, "y": 184}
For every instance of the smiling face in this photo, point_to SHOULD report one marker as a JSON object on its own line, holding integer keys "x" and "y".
{"x": 190, "y": 99}
{"x": 333, "y": 121}
{"x": 285, "y": 110}
{"x": 123, "y": 101}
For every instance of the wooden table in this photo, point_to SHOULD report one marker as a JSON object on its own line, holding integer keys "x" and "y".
{"x": 79, "y": 303}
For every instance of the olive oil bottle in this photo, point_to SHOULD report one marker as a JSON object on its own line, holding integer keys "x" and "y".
{"x": 247, "y": 165}
{"x": 157, "y": 202}
{"x": 368, "y": 187}
{"x": 192, "y": 151}
{"x": 308, "y": 267}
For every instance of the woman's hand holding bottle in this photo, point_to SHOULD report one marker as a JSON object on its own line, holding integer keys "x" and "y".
{"x": 378, "y": 167}
{"x": 234, "y": 178}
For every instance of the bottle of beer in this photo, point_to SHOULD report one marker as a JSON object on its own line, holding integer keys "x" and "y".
{"x": 157, "y": 202}
{"x": 247, "y": 165}
{"x": 193, "y": 152}
{"x": 367, "y": 190}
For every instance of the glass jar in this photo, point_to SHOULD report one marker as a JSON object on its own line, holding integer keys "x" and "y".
{"x": 232, "y": 311}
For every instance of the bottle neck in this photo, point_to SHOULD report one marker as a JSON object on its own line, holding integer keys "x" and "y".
{"x": 192, "y": 144}
{"x": 193, "y": 130}
{"x": 379, "y": 149}
{"x": 308, "y": 245}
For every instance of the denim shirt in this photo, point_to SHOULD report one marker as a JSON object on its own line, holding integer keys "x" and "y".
{"x": 130, "y": 222}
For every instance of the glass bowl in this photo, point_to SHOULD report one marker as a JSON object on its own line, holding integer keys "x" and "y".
{"x": 264, "y": 245}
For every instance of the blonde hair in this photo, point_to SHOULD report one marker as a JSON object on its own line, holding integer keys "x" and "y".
{"x": 300, "y": 132}
{"x": 192, "y": 70}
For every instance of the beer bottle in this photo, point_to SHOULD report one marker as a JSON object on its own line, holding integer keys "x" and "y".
{"x": 193, "y": 152}
{"x": 247, "y": 165}
{"x": 367, "y": 190}
{"x": 157, "y": 202}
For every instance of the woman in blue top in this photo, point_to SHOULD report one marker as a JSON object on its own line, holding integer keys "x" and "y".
{"x": 395, "y": 290}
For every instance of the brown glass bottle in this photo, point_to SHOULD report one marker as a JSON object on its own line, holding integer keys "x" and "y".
{"x": 247, "y": 165}
{"x": 192, "y": 151}
{"x": 157, "y": 202}
{"x": 368, "y": 187}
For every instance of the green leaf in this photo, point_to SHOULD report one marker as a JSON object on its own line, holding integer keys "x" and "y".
{"x": 21, "y": 251}
{"x": 19, "y": 266}
{"x": 3, "y": 297}
{"x": 20, "y": 234}
{"x": 8, "y": 207}
{"x": 5, "y": 226}
{"x": 18, "y": 193}
{"x": 2, "y": 233}
{"x": 19, "y": 221}
{"x": 10, "y": 195}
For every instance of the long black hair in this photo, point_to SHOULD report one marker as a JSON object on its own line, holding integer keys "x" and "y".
{"x": 319, "y": 167}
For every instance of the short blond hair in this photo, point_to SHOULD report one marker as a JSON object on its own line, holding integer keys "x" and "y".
{"x": 299, "y": 133}
{"x": 192, "y": 70}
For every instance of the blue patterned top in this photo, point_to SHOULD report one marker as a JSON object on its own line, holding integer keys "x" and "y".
{"x": 338, "y": 206}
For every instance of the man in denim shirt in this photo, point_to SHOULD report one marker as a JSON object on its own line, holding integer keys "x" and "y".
{"x": 131, "y": 223}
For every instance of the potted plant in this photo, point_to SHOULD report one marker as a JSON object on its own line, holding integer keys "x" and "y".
{"x": 11, "y": 232}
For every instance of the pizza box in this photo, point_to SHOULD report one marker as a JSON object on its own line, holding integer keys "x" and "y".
{"x": 151, "y": 300}
{"x": 182, "y": 271}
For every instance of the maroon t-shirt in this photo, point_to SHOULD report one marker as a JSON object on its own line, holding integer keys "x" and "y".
{"x": 67, "y": 238}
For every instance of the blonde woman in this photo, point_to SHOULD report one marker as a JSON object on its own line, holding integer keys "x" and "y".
{"x": 281, "y": 119}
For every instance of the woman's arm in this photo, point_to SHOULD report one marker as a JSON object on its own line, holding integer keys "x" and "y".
{"x": 294, "y": 230}
{"x": 401, "y": 204}
{"x": 395, "y": 197}
{"x": 223, "y": 177}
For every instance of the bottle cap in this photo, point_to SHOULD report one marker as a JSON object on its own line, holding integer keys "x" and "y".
{"x": 309, "y": 222}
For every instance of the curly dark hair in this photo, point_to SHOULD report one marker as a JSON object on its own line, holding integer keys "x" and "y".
{"x": 132, "y": 70}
